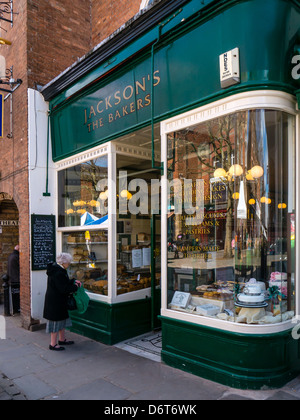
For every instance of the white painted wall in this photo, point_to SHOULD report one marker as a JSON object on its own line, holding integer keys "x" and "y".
{"x": 38, "y": 204}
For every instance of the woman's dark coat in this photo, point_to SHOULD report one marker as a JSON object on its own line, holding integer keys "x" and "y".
{"x": 13, "y": 267}
{"x": 59, "y": 287}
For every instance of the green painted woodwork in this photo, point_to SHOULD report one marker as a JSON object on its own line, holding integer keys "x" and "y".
{"x": 242, "y": 361}
{"x": 186, "y": 64}
{"x": 111, "y": 324}
{"x": 298, "y": 98}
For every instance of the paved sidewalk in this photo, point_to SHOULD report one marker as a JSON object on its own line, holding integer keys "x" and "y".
{"x": 93, "y": 371}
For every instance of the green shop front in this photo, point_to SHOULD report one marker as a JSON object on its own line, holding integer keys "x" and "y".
{"x": 176, "y": 151}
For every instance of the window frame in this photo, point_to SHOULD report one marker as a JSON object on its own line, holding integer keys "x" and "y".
{"x": 86, "y": 156}
{"x": 144, "y": 4}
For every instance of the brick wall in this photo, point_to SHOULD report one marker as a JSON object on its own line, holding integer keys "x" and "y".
{"x": 14, "y": 145}
{"x": 59, "y": 32}
{"x": 109, "y": 15}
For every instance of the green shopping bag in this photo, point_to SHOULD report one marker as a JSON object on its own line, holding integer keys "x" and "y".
{"x": 82, "y": 300}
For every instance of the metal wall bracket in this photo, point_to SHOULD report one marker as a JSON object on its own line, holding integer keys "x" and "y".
{"x": 12, "y": 85}
{"x": 6, "y": 12}
{"x": 10, "y": 82}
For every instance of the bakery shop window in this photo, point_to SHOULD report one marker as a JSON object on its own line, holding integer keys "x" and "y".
{"x": 231, "y": 220}
{"x": 89, "y": 249}
{"x": 83, "y": 206}
{"x": 83, "y": 193}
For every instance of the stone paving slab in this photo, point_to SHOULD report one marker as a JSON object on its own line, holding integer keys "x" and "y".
{"x": 9, "y": 391}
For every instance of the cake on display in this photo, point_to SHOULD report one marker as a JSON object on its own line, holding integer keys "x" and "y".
{"x": 252, "y": 296}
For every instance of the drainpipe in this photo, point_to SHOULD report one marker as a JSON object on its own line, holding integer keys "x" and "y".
{"x": 161, "y": 168}
{"x": 47, "y": 194}
{"x": 160, "y": 27}
{"x": 298, "y": 97}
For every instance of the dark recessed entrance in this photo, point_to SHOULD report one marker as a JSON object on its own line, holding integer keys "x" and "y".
{"x": 9, "y": 231}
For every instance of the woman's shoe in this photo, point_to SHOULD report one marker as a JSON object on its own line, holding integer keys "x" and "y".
{"x": 56, "y": 348}
{"x": 66, "y": 343}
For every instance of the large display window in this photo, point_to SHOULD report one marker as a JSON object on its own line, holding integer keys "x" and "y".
{"x": 83, "y": 217}
{"x": 230, "y": 203}
{"x": 106, "y": 221}
{"x": 83, "y": 192}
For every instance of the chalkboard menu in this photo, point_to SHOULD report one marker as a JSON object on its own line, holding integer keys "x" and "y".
{"x": 43, "y": 241}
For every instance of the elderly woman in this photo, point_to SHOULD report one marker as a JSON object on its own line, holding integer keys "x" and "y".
{"x": 55, "y": 309}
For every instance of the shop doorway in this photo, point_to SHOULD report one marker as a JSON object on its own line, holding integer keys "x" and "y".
{"x": 138, "y": 218}
{"x": 9, "y": 232}
{"x": 147, "y": 345}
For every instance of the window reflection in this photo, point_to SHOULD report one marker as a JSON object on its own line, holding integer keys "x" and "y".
{"x": 83, "y": 192}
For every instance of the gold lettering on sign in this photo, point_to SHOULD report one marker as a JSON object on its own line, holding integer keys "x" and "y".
{"x": 124, "y": 100}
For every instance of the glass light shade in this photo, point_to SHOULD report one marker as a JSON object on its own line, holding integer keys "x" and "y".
{"x": 251, "y": 201}
{"x": 257, "y": 171}
{"x": 79, "y": 203}
{"x": 220, "y": 173}
{"x": 126, "y": 194}
{"x": 236, "y": 170}
{"x": 265, "y": 200}
{"x": 282, "y": 206}
{"x": 236, "y": 196}
{"x": 93, "y": 203}
{"x": 249, "y": 176}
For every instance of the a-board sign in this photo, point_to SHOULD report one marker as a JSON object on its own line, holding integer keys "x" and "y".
{"x": 43, "y": 244}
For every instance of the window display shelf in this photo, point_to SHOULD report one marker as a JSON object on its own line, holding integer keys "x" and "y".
{"x": 90, "y": 262}
{"x": 90, "y": 243}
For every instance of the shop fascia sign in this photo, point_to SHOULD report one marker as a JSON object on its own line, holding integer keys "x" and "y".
{"x": 296, "y": 67}
{"x": 9, "y": 223}
{"x": 116, "y": 102}
{"x": 230, "y": 68}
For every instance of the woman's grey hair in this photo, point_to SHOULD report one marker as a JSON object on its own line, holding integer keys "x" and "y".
{"x": 64, "y": 258}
